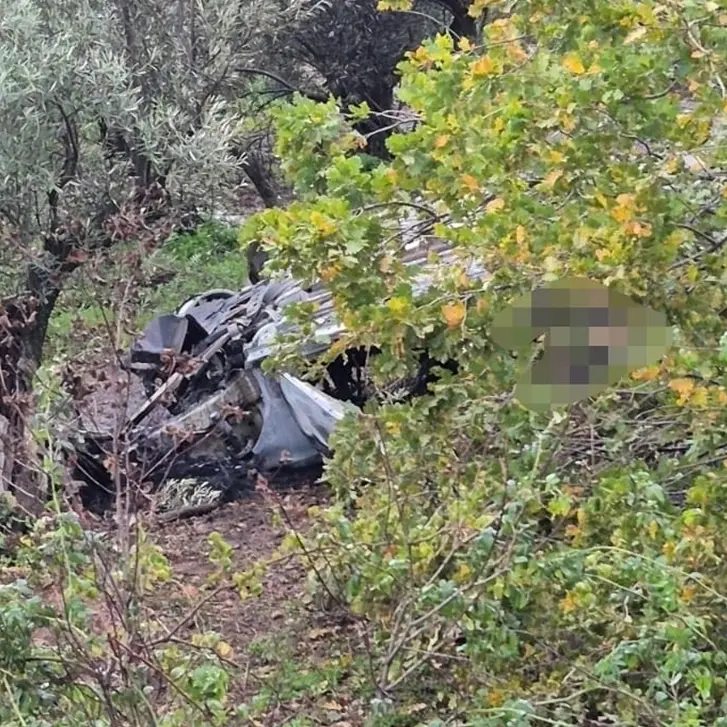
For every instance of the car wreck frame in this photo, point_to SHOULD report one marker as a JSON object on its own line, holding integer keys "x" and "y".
{"x": 201, "y": 365}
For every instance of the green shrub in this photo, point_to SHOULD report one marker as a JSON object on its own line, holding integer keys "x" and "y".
{"x": 80, "y": 645}
{"x": 519, "y": 568}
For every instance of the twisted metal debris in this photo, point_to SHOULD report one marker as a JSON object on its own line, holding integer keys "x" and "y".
{"x": 202, "y": 365}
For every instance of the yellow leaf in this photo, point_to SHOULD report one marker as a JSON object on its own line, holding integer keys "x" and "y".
{"x": 441, "y": 141}
{"x": 672, "y": 165}
{"x": 636, "y": 34}
{"x": 422, "y": 55}
{"x": 594, "y": 68}
{"x": 568, "y": 122}
{"x": 646, "y": 374}
{"x": 637, "y": 229}
{"x": 464, "y": 572}
{"x": 683, "y": 387}
{"x": 517, "y": 53}
{"x": 391, "y": 175}
{"x": 322, "y": 224}
{"x": 464, "y": 44}
{"x": 338, "y": 348}
{"x": 573, "y": 531}
{"x": 495, "y": 205}
{"x": 393, "y": 428}
{"x": 700, "y": 397}
{"x": 552, "y": 178}
{"x": 569, "y": 603}
{"x": 521, "y": 234}
{"x": 687, "y": 594}
{"x": 483, "y": 66}
{"x": 621, "y": 214}
{"x": 223, "y": 649}
{"x": 477, "y": 8}
{"x": 398, "y": 306}
{"x": 330, "y": 272}
{"x": 483, "y": 305}
{"x": 626, "y": 200}
{"x": 653, "y": 529}
{"x": 556, "y": 157}
{"x": 625, "y": 208}
{"x": 573, "y": 64}
{"x": 468, "y": 181}
{"x": 454, "y": 314}
{"x": 396, "y": 5}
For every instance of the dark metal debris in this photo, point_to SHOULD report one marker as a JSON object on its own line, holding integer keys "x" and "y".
{"x": 225, "y": 417}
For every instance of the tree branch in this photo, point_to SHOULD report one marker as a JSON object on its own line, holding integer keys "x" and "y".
{"x": 312, "y": 95}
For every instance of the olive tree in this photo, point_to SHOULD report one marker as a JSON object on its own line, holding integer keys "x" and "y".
{"x": 116, "y": 114}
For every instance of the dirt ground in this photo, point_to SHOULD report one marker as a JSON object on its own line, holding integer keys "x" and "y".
{"x": 290, "y": 659}
{"x": 282, "y": 645}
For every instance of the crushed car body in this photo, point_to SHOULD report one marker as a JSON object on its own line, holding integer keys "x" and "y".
{"x": 201, "y": 367}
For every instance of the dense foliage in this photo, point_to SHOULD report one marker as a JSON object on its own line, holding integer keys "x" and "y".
{"x": 79, "y": 644}
{"x": 516, "y": 568}
{"x": 101, "y": 100}
{"x": 501, "y": 567}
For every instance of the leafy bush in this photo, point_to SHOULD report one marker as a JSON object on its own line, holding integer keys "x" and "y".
{"x": 207, "y": 241}
{"x": 79, "y": 644}
{"x": 517, "y": 568}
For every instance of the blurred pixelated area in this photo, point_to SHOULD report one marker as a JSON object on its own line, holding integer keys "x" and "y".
{"x": 593, "y": 336}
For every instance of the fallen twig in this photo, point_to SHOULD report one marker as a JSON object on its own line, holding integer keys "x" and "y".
{"x": 181, "y": 513}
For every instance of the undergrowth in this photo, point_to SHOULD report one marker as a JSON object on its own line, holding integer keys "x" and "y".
{"x": 111, "y": 303}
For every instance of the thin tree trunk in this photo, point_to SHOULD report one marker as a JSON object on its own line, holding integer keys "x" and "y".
{"x": 261, "y": 178}
{"x": 4, "y": 459}
{"x": 20, "y": 344}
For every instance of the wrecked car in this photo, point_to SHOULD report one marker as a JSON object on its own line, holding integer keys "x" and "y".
{"x": 222, "y": 415}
